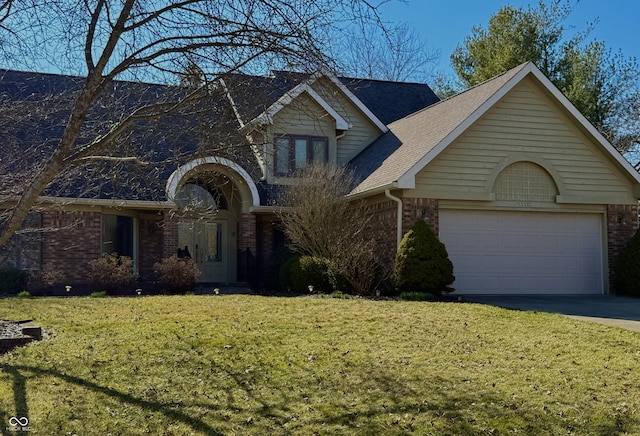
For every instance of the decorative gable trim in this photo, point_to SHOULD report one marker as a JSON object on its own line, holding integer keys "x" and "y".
{"x": 341, "y": 124}
{"x": 267, "y": 116}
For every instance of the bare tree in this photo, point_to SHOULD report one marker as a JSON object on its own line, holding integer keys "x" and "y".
{"x": 108, "y": 40}
{"x": 320, "y": 221}
{"x": 396, "y": 53}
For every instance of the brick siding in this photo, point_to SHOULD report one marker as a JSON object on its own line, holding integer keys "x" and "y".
{"x": 150, "y": 246}
{"x": 414, "y": 209}
{"x": 382, "y": 227}
{"x": 169, "y": 236}
{"x": 74, "y": 239}
{"x": 622, "y": 222}
{"x": 247, "y": 238}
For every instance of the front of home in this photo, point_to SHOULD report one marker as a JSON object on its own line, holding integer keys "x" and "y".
{"x": 527, "y": 196}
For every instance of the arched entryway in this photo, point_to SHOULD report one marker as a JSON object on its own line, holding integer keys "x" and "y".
{"x": 212, "y": 198}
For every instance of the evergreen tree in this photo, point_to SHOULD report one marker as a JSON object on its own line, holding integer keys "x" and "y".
{"x": 422, "y": 262}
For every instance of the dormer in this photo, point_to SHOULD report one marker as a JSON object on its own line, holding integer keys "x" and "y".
{"x": 294, "y": 119}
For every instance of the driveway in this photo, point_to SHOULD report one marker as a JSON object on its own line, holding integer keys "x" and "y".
{"x": 605, "y": 309}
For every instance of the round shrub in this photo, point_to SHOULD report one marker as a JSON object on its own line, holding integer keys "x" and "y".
{"x": 111, "y": 271}
{"x": 310, "y": 270}
{"x": 422, "y": 262}
{"x": 627, "y": 272}
{"x": 177, "y": 275}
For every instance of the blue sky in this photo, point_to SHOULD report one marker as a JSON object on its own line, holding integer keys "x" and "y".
{"x": 445, "y": 23}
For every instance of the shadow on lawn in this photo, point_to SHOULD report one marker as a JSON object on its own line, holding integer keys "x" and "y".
{"x": 19, "y": 399}
{"x": 399, "y": 406}
{"x": 20, "y": 396}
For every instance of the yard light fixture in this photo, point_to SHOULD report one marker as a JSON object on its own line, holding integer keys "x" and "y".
{"x": 139, "y": 291}
{"x": 68, "y": 288}
{"x": 310, "y": 289}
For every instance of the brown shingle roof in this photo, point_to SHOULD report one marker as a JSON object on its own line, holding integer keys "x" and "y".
{"x": 420, "y": 133}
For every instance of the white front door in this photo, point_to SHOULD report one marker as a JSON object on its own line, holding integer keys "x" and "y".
{"x": 207, "y": 244}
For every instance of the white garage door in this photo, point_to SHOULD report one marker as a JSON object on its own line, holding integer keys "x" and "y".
{"x": 524, "y": 252}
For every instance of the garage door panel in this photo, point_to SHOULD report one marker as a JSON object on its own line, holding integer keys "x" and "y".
{"x": 524, "y": 252}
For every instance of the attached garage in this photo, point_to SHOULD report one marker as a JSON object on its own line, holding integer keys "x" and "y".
{"x": 500, "y": 252}
{"x": 528, "y": 197}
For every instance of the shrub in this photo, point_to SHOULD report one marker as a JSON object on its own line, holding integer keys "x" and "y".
{"x": 284, "y": 275}
{"x": 99, "y": 294}
{"x": 627, "y": 272}
{"x": 111, "y": 271}
{"x": 45, "y": 277}
{"x": 422, "y": 262}
{"x": 24, "y": 294}
{"x": 310, "y": 271}
{"x": 417, "y": 296}
{"x": 177, "y": 275}
{"x": 13, "y": 280}
{"x": 275, "y": 280}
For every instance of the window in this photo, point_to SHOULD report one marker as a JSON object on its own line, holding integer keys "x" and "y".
{"x": 117, "y": 235}
{"x": 194, "y": 197}
{"x": 295, "y": 152}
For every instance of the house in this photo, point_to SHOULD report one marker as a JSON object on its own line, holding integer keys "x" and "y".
{"x": 527, "y": 196}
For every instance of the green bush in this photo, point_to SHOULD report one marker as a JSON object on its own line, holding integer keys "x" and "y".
{"x": 417, "y": 296}
{"x": 422, "y": 262}
{"x": 276, "y": 279}
{"x": 627, "y": 271}
{"x": 13, "y": 280}
{"x": 177, "y": 275}
{"x": 284, "y": 275}
{"x": 24, "y": 294}
{"x": 99, "y": 294}
{"x": 310, "y": 271}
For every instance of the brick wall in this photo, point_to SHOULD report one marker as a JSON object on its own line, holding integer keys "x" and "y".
{"x": 150, "y": 246}
{"x": 382, "y": 227}
{"x": 414, "y": 209}
{"x": 247, "y": 234}
{"x": 75, "y": 239}
{"x": 169, "y": 227}
{"x": 622, "y": 222}
{"x": 265, "y": 248}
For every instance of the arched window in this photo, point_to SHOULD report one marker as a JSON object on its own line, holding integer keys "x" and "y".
{"x": 194, "y": 197}
{"x": 525, "y": 181}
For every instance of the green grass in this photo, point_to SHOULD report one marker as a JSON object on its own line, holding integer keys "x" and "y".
{"x": 258, "y": 365}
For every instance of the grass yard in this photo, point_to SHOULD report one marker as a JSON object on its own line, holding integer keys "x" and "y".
{"x": 259, "y": 365}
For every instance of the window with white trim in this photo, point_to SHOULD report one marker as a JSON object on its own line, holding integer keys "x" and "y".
{"x": 294, "y": 152}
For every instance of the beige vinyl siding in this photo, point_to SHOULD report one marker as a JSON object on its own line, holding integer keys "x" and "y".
{"x": 524, "y": 125}
{"x": 303, "y": 116}
{"x": 362, "y": 131}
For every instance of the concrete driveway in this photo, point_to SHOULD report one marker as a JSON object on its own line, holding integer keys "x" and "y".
{"x": 605, "y": 309}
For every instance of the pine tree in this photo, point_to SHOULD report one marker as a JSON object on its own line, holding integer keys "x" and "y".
{"x": 422, "y": 262}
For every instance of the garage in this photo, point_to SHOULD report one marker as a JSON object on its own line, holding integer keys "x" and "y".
{"x": 513, "y": 252}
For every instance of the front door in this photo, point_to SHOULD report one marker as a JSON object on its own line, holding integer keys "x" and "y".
{"x": 207, "y": 245}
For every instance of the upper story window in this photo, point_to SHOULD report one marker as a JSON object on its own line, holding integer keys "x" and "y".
{"x": 295, "y": 152}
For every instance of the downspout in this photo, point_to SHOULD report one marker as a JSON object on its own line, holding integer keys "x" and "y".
{"x": 387, "y": 193}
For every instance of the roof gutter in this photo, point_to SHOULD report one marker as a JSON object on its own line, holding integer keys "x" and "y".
{"x": 96, "y": 202}
{"x": 387, "y": 193}
{"x": 373, "y": 191}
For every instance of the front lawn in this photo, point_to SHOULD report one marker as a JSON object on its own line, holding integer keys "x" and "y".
{"x": 260, "y": 365}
